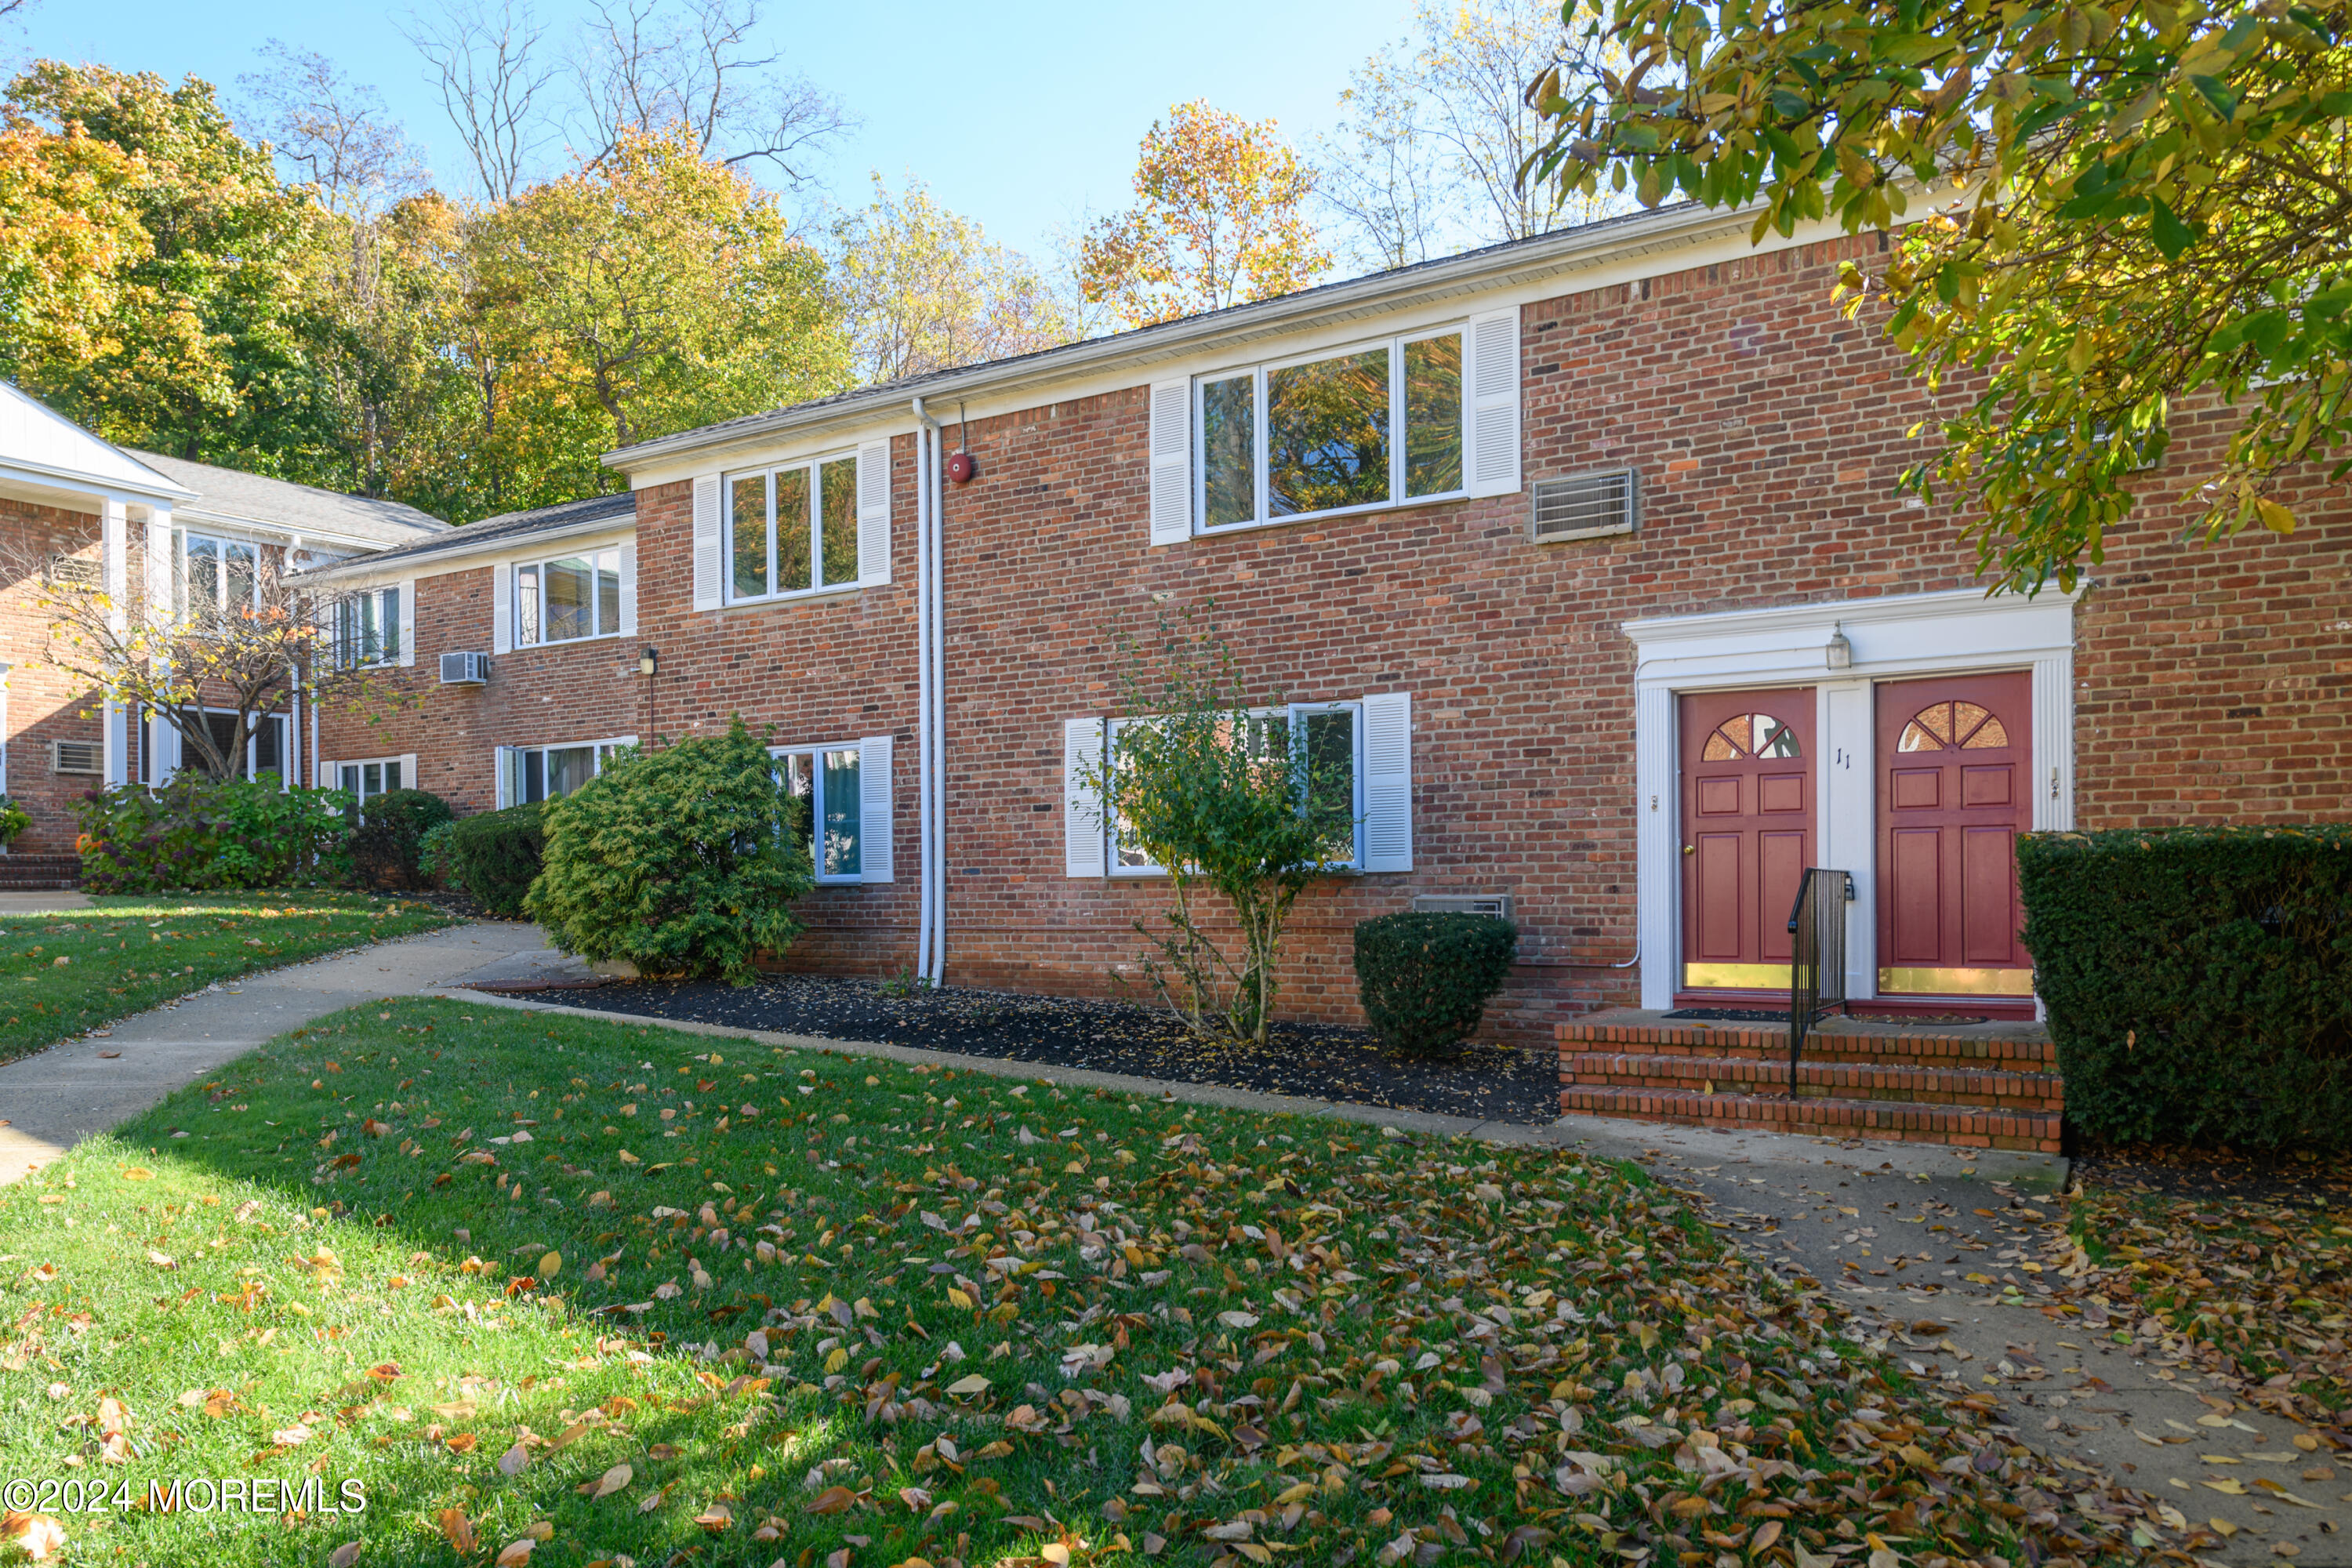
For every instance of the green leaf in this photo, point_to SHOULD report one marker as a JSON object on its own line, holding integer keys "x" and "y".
{"x": 2172, "y": 237}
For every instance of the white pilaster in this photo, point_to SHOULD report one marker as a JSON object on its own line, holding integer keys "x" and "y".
{"x": 1849, "y": 835}
{"x": 1654, "y": 776}
{"x": 159, "y": 743}
{"x": 2053, "y": 745}
{"x": 114, "y": 541}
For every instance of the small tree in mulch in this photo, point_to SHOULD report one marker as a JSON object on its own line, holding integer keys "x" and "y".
{"x": 1215, "y": 789}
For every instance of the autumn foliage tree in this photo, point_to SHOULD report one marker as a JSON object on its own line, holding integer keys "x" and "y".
{"x": 2106, "y": 212}
{"x": 1220, "y": 218}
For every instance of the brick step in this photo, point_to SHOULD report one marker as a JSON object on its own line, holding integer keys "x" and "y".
{"x": 1902, "y": 1083}
{"x": 1900, "y": 1120}
{"x": 38, "y": 884}
{"x": 1958, "y": 1052}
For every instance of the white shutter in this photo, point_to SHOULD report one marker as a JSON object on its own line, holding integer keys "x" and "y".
{"x": 1388, "y": 782}
{"x": 1493, "y": 435}
{"x": 629, "y": 590}
{"x": 408, "y": 771}
{"x": 408, "y": 621}
{"x": 874, "y": 829}
{"x": 1082, "y": 816}
{"x": 502, "y": 608}
{"x": 1171, "y": 462}
{"x": 873, "y": 522}
{"x": 705, "y": 542}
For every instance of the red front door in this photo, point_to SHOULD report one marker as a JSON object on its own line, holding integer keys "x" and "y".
{"x": 1955, "y": 761}
{"x": 1748, "y": 834}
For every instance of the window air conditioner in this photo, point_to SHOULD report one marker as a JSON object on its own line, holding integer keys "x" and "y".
{"x": 465, "y": 669}
{"x": 1585, "y": 506}
{"x": 77, "y": 757}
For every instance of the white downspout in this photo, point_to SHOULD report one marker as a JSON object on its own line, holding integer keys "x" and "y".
{"x": 923, "y": 689}
{"x": 934, "y": 699}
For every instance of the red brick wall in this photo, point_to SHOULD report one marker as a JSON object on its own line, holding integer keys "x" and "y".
{"x": 1769, "y": 431}
{"x": 44, "y": 703}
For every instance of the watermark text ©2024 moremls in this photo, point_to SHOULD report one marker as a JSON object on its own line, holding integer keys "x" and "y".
{"x": 199, "y": 1494}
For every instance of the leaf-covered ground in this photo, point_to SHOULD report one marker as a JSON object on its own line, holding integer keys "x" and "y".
{"x": 71, "y": 970}
{"x": 1318, "y": 1061}
{"x": 563, "y": 1292}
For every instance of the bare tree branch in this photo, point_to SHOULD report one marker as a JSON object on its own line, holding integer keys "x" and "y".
{"x": 650, "y": 65}
{"x": 486, "y": 58}
{"x": 335, "y": 130}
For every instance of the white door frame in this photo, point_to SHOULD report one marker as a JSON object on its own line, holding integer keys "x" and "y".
{"x": 1892, "y": 637}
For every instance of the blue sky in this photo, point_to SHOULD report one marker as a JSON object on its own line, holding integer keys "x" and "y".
{"x": 1020, "y": 116}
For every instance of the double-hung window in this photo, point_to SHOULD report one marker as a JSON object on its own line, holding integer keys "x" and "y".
{"x": 568, "y": 597}
{"x": 1366, "y": 427}
{"x": 1320, "y": 743}
{"x": 217, "y": 574}
{"x": 367, "y": 628}
{"x": 528, "y": 774}
{"x": 792, "y": 530}
{"x": 1350, "y": 763}
{"x": 363, "y": 781}
{"x": 847, "y": 788}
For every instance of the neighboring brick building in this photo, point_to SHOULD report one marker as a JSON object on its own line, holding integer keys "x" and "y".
{"x": 76, "y": 509}
{"x": 1654, "y": 632}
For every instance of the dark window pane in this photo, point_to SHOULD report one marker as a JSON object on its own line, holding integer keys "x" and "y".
{"x": 749, "y": 519}
{"x": 837, "y": 486}
{"x": 526, "y": 605}
{"x": 269, "y": 747}
{"x": 203, "y": 577}
{"x": 1327, "y": 434}
{"x": 534, "y": 777}
{"x": 792, "y": 530}
{"x": 568, "y": 767}
{"x": 1331, "y": 780}
{"x": 1228, "y": 440}
{"x": 571, "y": 598}
{"x": 1432, "y": 415}
{"x": 243, "y": 576}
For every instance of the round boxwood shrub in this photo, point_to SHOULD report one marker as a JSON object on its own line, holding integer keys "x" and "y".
{"x": 391, "y": 834}
{"x": 680, "y": 861}
{"x": 495, "y": 857}
{"x": 1425, "y": 979}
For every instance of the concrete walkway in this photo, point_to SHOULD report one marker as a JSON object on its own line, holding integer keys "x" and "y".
{"x": 54, "y": 1098}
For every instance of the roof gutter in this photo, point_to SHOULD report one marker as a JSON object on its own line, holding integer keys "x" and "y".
{"x": 1499, "y": 267}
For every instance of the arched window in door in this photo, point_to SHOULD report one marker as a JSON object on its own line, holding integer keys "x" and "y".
{"x": 1745, "y": 735}
{"x": 1953, "y": 727}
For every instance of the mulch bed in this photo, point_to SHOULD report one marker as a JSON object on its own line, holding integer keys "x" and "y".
{"x": 2176, "y": 1171}
{"x": 1320, "y": 1061}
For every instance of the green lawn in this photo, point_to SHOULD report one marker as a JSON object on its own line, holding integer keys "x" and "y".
{"x": 635, "y": 1294}
{"x": 65, "y": 972}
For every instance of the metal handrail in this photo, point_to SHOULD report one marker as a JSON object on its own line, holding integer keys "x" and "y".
{"x": 1816, "y": 956}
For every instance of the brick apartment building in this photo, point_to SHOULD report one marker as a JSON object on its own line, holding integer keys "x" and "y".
{"x": 74, "y": 509}
{"x": 1587, "y": 548}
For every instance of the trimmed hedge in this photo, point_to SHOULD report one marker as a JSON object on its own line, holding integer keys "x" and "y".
{"x": 391, "y": 829}
{"x": 497, "y": 856}
{"x": 2199, "y": 981}
{"x": 1425, "y": 979}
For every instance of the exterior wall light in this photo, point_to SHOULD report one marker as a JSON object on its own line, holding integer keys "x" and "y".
{"x": 647, "y": 661}
{"x": 1838, "y": 652}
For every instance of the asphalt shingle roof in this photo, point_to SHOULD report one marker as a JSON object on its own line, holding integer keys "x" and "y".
{"x": 301, "y": 508}
{"x": 508, "y": 525}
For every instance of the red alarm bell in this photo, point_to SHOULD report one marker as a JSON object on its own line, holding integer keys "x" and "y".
{"x": 962, "y": 467}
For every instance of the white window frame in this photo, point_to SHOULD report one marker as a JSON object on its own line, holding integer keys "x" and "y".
{"x": 222, "y": 544}
{"x": 407, "y": 764}
{"x": 1293, "y": 714}
{"x": 367, "y": 628}
{"x": 1395, "y": 344}
{"x": 288, "y": 764}
{"x": 535, "y": 625}
{"x": 811, "y": 467}
{"x": 816, "y": 808}
{"x": 510, "y": 764}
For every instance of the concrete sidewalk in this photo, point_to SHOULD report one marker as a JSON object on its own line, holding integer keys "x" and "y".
{"x": 55, "y": 1097}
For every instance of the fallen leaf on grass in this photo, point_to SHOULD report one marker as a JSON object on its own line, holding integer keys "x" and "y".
{"x": 38, "y": 1535}
{"x": 832, "y": 1500}
{"x": 456, "y": 1530}
{"x": 514, "y": 1462}
{"x": 343, "y": 1556}
{"x": 608, "y": 1483}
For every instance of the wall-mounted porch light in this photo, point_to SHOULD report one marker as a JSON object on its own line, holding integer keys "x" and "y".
{"x": 1838, "y": 652}
{"x": 647, "y": 661}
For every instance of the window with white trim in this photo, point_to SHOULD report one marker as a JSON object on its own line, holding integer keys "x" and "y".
{"x": 214, "y": 572}
{"x": 566, "y": 598}
{"x": 371, "y": 776}
{"x": 792, "y": 530}
{"x": 265, "y": 744}
{"x": 847, "y": 787}
{"x": 1366, "y": 427}
{"x": 529, "y": 774}
{"x": 367, "y": 628}
{"x": 1324, "y": 742}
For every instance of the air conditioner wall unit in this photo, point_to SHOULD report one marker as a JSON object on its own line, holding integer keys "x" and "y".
{"x": 77, "y": 757}
{"x": 1495, "y": 904}
{"x": 465, "y": 669}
